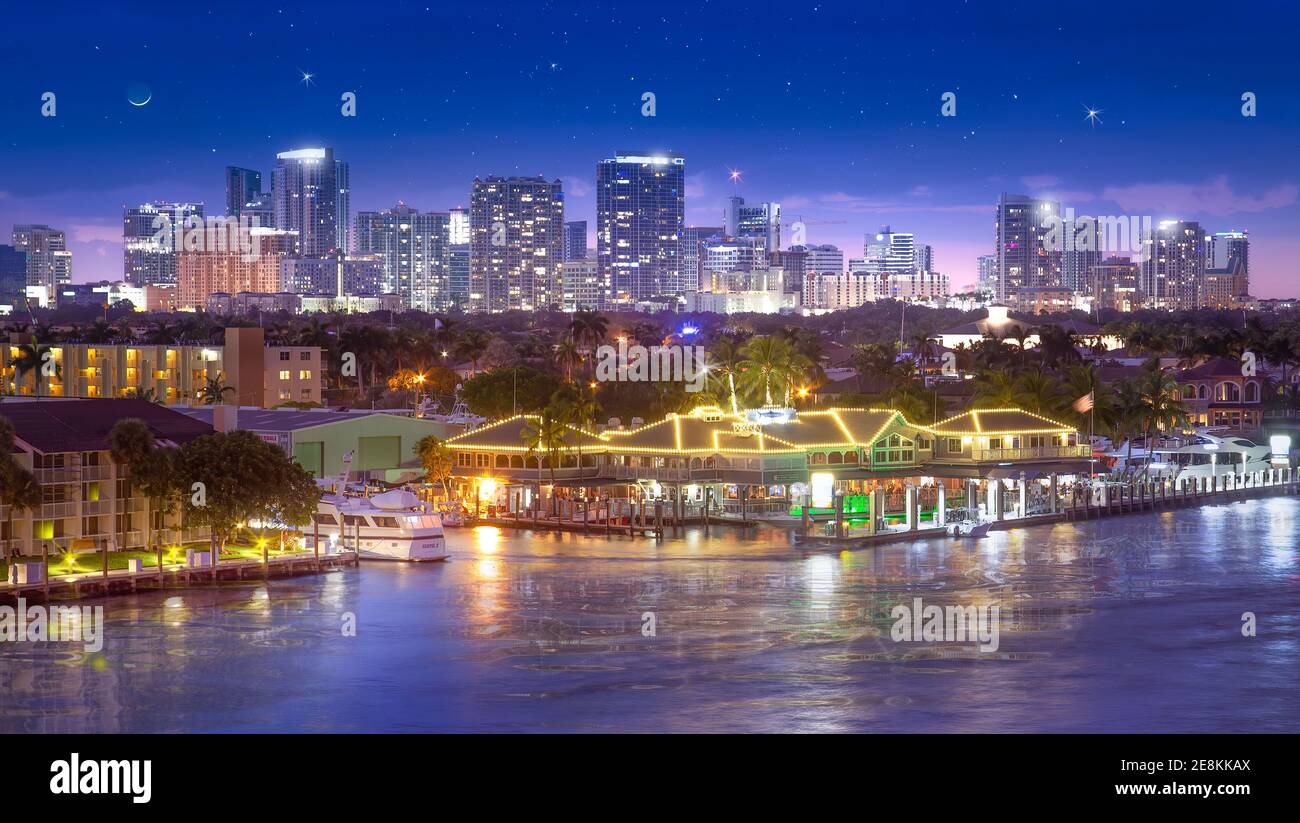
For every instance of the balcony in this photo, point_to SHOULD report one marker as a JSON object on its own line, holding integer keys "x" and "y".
{"x": 1030, "y": 453}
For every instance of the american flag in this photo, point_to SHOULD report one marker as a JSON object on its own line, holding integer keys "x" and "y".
{"x": 1084, "y": 403}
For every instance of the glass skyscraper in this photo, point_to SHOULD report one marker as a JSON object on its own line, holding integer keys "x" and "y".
{"x": 640, "y": 213}
{"x": 311, "y": 197}
{"x": 516, "y": 244}
{"x": 150, "y": 240}
{"x": 413, "y": 248}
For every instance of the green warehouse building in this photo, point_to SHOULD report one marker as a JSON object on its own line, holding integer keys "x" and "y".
{"x": 382, "y": 444}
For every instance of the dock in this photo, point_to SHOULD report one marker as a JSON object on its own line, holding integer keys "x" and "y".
{"x": 1107, "y": 500}
{"x": 122, "y": 581}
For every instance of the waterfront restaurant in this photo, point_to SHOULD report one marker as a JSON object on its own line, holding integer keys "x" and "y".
{"x": 773, "y": 463}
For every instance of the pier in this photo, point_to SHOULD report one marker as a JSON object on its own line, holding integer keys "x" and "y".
{"x": 126, "y": 581}
{"x": 1079, "y": 502}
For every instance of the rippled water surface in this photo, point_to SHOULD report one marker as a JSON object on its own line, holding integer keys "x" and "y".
{"x": 1130, "y": 624}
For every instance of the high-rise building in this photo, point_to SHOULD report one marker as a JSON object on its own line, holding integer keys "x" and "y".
{"x": 413, "y": 246}
{"x": 891, "y": 251}
{"x": 822, "y": 259}
{"x": 1115, "y": 284}
{"x": 794, "y": 262}
{"x": 310, "y": 199}
{"x": 1224, "y": 246}
{"x": 343, "y": 207}
{"x": 640, "y": 213}
{"x": 458, "y": 255}
{"x": 756, "y": 220}
{"x": 689, "y": 251}
{"x": 200, "y": 274}
{"x": 1173, "y": 273}
{"x": 152, "y": 235}
{"x": 575, "y": 240}
{"x": 354, "y": 275}
{"x": 49, "y": 263}
{"x": 987, "y": 278}
{"x": 1024, "y": 259}
{"x": 733, "y": 254}
{"x": 516, "y": 244}
{"x": 583, "y": 288}
{"x": 458, "y": 226}
{"x": 13, "y": 278}
{"x": 243, "y": 186}
{"x": 1079, "y": 253}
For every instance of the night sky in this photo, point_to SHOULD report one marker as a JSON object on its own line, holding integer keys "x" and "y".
{"x": 831, "y": 109}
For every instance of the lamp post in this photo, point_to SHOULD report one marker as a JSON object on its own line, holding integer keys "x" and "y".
{"x": 419, "y": 383}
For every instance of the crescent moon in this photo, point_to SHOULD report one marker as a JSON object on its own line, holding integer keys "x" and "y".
{"x": 145, "y": 103}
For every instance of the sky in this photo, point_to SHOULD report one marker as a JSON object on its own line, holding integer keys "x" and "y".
{"x": 831, "y": 109}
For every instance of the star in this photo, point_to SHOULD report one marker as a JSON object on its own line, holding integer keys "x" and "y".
{"x": 306, "y": 77}
{"x": 734, "y": 175}
{"x": 1092, "y": 115}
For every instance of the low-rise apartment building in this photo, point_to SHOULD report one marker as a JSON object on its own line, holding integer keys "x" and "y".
{"x": 85, "y": 503}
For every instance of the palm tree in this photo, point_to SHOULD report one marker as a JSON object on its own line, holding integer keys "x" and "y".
{"x": 996, "y": 389}
{"x": 435, "y": 457}
{"x": 38, "y": 359}
{"x": 19, "y": 490}
{"x": 568, "y": 354}
{"x": 723, "y": 367}
{"x": 1056, "y": 346}
{"x": 771, "y": 363}
{"x": 545, "y": 437}
{"x": 215, "y": 390}
{"x": 473, "y": 343}
{"x": 578, "y": 410}
{"x": 130, "y": 444}
{"x": 150, "y": 395}
{"x": 1162, "y": 399}
{"x": 873, "y": 359}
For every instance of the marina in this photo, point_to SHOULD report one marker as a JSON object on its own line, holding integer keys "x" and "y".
{"x": 1115, "y": 624}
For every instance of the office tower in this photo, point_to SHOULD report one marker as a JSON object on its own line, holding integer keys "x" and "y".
{"x": 583, "y": 287}
{"x": 1173, "y": 273}
{"x": 1083, "y": 245}
{"x": 891, "y": 251}
{"x": 987, "y": 279}
{"x": 458, "y": 275}
{"x": 794, "y": 262}
{"x": 413, "y": 247}
{"x": 757, "y": 220}
{"x": 49, "y": 263}
{"x": 1227, "y": 273}
{"x": 640, "y": 212}
{"x": 575, "y": 240}
{"x": 1024, "y": 259}
{"x": 343, "y": 207}
{"x": 1114, "y": 283}
{"x": 689, "y": 247}
{"x": 458, "y": 226}
{"x": 13, "y": 277}
{"x": 243, "y": 186}
{"x": 516, "y": 243}
{"x": 1226, "y": 245}
{"x": 154, "y": 233}
{"x": 822, "y": 259}
{"x": 733, "y": 254}
{"x": 307, "y": 198}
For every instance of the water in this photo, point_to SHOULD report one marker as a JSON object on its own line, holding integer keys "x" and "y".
{"x": 1128, "y": 624}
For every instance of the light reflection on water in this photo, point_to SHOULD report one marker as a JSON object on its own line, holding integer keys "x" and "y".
{"x": 1132, "y": 623}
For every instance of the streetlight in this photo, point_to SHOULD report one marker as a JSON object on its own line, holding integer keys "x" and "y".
{"x": 419, "y": 382}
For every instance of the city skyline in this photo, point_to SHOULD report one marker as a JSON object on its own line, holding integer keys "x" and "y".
{"x": 833, "y": 137}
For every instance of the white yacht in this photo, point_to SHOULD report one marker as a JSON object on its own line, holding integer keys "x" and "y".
{"x": 394, "y": 525}
{"x": 1208, "y": 455}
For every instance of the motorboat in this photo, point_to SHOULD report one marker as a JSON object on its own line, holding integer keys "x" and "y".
{"x": 394, "y": 525}
{"x": 970, "y": 528}
{"x": 1205, "y": 455}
